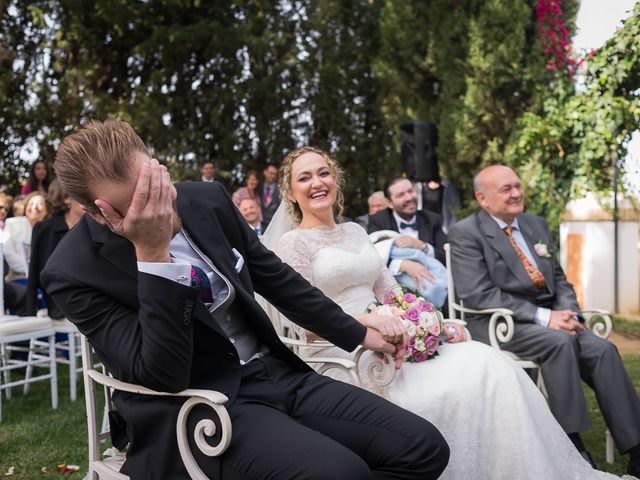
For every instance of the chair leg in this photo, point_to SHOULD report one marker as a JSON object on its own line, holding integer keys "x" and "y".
{"x": 72, "y": 366}
{"x": 608, "y": 446}
{"x": 54, "y": 371}
{"x": 30, "y": 359}
{"x": 4, "y": 353}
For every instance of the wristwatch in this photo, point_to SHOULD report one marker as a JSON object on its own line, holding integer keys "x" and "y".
{"x": 425, "y": 249}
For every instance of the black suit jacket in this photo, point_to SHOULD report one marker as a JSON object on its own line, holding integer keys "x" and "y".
{"x": 44, "y": 240}
{"x": 155, "y": 332}
{"x": 429, "y": 228}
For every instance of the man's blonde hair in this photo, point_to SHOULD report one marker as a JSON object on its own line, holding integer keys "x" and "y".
{"x": 98, "y": 151}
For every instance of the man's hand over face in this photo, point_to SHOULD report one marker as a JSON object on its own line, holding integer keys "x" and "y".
{"x": 148, "y": 223}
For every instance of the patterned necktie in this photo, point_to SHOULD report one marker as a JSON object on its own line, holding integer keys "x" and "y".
{"x": 267, "y": 194}
{"x": 534, "y": 274}
{"x": 200, "y": 281}
{"x": 404, "y": 225}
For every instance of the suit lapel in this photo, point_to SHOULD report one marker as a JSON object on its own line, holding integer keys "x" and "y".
{"x": 500, "y": 243}
{"x": 392, "y": 224}
{"x": 203, "y": 228}
{"x": 424, "y": 229}
{"x": 544, "y": 265}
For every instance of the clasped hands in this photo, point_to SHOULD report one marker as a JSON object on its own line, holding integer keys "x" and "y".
{"x": 566, "y": 321}
{"x": 387, "y": 334}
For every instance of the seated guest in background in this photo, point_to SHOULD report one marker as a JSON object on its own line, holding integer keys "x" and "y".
{"x": 419, "y": 229}
{"x": 16, "y": 235}
{"x": 14, "y": 294}
{"x": 17, "y": 206}
{"x": 250, "y": 190}
{"x": 208, "y": 171}
{"x": 503, "y": 257}
{"x": 269, "y": 193}
{"x": 435, "y": 289}
{"x": 123, "y": 275}
{"x": 376, "y": 201}
{"x": 5, "y": 203}
{"x": 39, "y": 178}
{"x": 65, "y": 213}
{"x": 251, "y": 213}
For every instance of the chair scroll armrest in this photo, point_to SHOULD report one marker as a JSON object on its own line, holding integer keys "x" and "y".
{"x": 598, "y": 322}
{"x": 501, "y": 327}
{"x": 204, "y": 428}
{"x": 380, "y": 370}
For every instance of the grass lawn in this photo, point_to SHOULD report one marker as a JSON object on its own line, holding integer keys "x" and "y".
{"x": 628, "y": 328}
{"x": 33, "y": 436}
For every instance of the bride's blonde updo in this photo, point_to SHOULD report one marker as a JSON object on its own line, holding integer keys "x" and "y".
{"x": 285, "y": 182}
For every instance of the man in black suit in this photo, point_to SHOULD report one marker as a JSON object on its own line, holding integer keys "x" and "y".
{"x": 269, "y": 193}
{"x": 418, "y": 228}
{"x": 122, "y": 275}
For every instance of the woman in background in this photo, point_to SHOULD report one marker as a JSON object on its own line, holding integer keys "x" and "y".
{"x": 46, "y": 236}
{"x": 39, "y": 178}
{"x": 250, "y": 190}
{"x": 16, "y": 235}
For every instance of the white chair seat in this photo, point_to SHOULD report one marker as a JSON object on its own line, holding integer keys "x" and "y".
{"x": 64, "y": 326}
{"x": 17, "y": 325}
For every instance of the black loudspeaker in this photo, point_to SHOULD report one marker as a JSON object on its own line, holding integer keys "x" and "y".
{"x": 418, "y": 151}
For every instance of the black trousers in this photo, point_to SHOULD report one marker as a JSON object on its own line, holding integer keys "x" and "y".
{"x": 298, "y": 425}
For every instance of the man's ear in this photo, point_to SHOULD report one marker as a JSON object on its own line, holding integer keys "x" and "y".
{"x": 97, "y": 216}
{"x": 480, "y": 198}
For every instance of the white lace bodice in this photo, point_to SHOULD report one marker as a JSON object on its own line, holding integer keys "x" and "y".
{"x": 340, "y": 261}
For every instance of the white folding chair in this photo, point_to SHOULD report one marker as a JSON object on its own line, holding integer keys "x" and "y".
{"x": 108, "y": 466}
{"x": 14, "y": 329}
{"x": 68, "y": 351}
{"x": 379, "y": 371}
{"x": 501, "y": 330}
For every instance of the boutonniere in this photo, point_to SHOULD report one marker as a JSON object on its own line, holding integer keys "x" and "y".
{"x": 541, "y": 249}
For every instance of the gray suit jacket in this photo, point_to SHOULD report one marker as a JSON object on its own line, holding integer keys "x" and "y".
{"x": 488, "y": 273}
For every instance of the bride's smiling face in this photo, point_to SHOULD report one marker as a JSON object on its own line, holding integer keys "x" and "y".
{"x": 313, "y": 187}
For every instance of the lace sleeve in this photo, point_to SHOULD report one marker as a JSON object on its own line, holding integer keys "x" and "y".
{"x": 385, "y": 281}
{"x": 293, "y": 250}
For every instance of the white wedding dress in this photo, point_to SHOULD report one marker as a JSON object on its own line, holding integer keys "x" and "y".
{"x": 495, "y": 420}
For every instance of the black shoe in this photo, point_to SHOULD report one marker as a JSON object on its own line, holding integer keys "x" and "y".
{"x": 587, "y": 456}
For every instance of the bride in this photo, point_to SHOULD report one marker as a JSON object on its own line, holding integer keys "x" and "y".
{"x": 496, "y": 422}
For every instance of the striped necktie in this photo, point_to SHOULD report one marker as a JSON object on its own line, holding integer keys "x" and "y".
{"x": 534, "y": 274}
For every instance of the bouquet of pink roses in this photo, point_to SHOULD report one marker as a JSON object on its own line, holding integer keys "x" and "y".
{"x": 421, "y": 319}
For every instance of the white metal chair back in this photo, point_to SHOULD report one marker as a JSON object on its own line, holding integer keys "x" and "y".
{"x": 19, "y": 329}
{"x": 109, "y": 466}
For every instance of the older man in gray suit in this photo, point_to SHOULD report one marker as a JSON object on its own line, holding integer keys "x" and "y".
{"x": 502, "y": 257}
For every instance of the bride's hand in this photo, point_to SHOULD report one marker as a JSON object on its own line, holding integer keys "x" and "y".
{"x": 455, "y": 332}
{"x": 391, "y": 328}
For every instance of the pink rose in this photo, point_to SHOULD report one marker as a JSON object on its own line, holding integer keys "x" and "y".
{"x": 412, "y": 315}
{"x": 409, "y": 297}
{"x": 425, "y": 307}
{"x": 431, "y": 343}
{"x": 434, "y": 327}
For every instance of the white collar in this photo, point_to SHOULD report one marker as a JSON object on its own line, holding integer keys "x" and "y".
{"x": 502, "y": 224}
